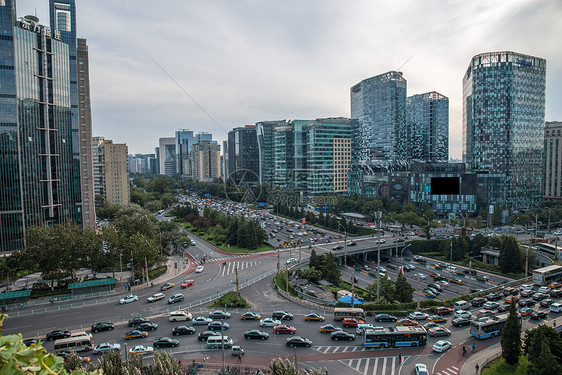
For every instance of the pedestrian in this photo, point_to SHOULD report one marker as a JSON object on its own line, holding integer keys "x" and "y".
{"x": 477, "y": 368}
{"x": 399, "y": 357}
{"x": 239, "y": 357}
{"x": 554, "y": 323}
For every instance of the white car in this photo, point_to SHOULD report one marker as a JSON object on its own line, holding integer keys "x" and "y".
{"x": 442, "y": 282}
{"x": 156, "y": 297}
{"x": 128, "y": 299}
{"x": 106, "y": 347}
{"x": 141, "y": 349}
{"x": 462, "y": 314}
{"x": 192, "y": 243}
{"x": 420, "y": 275}
{"x": 526, "y": 286}
{"x": 441, "y": 346}
{"x": 418, "y": 315}
{"x": 421, "y": 369}
{"x": 199, "y": 269}
{"x": 201, "y": 321}
{"x": 544, "y": 289}
{"x": 556, "y": 307}
{"x": 292, "y": 260}
{"x": 410, "y": 267}
{"x": 269, "y": 322}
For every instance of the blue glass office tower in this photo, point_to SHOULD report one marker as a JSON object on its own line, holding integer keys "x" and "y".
{"x": 427, "y": 119}
{"x": 39, "y": 181}
{"x": 503, "y": 127}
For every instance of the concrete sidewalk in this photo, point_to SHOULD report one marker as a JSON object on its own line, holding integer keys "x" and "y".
{"x": 480, "y": 358}
{"x": 176, "y": 265}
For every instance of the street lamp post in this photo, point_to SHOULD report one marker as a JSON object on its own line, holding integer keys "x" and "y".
{"x": 404, "y": 248}
{"x": 379, "y": 215}
{"x": 344, "y": 245}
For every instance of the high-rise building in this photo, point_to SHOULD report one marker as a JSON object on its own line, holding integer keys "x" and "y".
{"x": 243, "y": 156}
{"x": 427, "y": 119}
{"x": 111, "y": 179}
{"x": 379, "y": 103}
{"x": 264, "y": 131}
{"x": 167, "y": 156}
{"x": 143, "y": 163}
{"x": 39, "y": 175}
{"x": 503, "y": 127}
{"x": 224, "y": 160}
{"x": 289, "y": 156}
{"x": 184, "y": 140}
{"x": 205, "y": 160}
{"x": 553, "y": 160}
{"x": 85, "y": 123}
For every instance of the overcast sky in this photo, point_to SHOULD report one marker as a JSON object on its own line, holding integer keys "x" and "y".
{"x": 245, "y": 61}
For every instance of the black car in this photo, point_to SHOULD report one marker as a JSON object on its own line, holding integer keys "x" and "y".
{"x": 352, "y": 243}
{"x": 147, "y": 326}
{"x": 298, "y": 341}
{"x": 527, "y": 293}
{"x": 29, "y": 342}
{"x": 165, "y": 342}
{"x": 440, "y": 278}
{"x": 460, "y": 322}
{"x": 218, "y": 314}
{"x": 391, "y": 266}
{"x": 183, "y": 330}
{"x": 493, "y": 296}
{"x": 385, "y": 318}
{"x": 538, "y": 315}
{"x": 478, "y": 302}
{"x": 57, "y": 334}
{"x": 436, "y": 286}
{"x": 503, "y": 308}
{"x": 539, "y": 296}
{"x": 206, "y": 334}
{"x": 342, "y": 335}
{"x": 546, "y": 302}
{"x": 556, "y": 293}
{"x": 136, "y": 321}
{"x": 526, "y": 303}
{"x": 282, "y": 315}
{"x": 103, "y": 326}
{"x": 256, "y": 334}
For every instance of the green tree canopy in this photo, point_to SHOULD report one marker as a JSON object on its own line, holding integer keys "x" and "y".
{"x": 510, "y": 256}
{"x": 511, "y": 337}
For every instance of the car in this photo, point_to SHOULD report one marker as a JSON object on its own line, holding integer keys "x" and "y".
{"x": 269, "y": 322}
{"x": 128, "y": 299}
{"x": 512, "y": 291}
{"x": 380, "y": 240}
{"x": 526, "y": 311}
{"x": 508, "y": 299}
{"x": 256, "y": 334}
{"x": 385, "y": 318}
{"x": 555, "y": 285}
{"x": 186, "y": 283}
{"x": 178, "y": 297}
{"x": 436, "y": 319}
{"x": 406, "y": 322}
{"x": 298, "y": 341}
{"x": 342, "y": 335}
{"x": 282, "y": 315}
{"x": 30, "y": 341}
{"x": 441, "y": 281}
{"x": 419, "y": 258}
{"x": 352, "y": 322}
{"x": 428, "y": 325}
{"x": 66, "y": 353}
{"x": 147, "y": 326}
{"x": 490, "y": 305}
{"x": 201, "y": 321}
{"x": 219, "y": 314}
{"x": 216, "y": 325}
{"x": 544, "y": 289}
{"x": 165, "y": 342}
{"x": 503, "y": 308}
{"x": 141, "y": 349}
{"x": 441, "y": 346}
{"x": 526, "y": 286}
{"x": 539, "y": 296}
{"x": 537, "y": 315}
{"x": 526, "y": 293}
{"x": 135, "y": 334}
{"x": 478, "y": 301}
{"x": 493, "y": 296}
{"x": 314, "y": 317}
{"x": 442, "y": 310}
{"x": 556, "y": 307}
{"x": 291, "y": 260}
{"x": 284, "y": 329}
{"x": 421, "y": 369}
{"x": 156, "y": 297}
{"x": 249, "y": 315}
{"x": 462, "y": 314}
{"x": 136, "y": 321}
{"x": 438, "y": 331}
{"x": 546, "y": 302}
{"x": 167, "y": 286}
{"x": 526, "y": 302}
{"x": 556, "y": 293}
{"x": 203, "y": 336}
{"x": 418, "y": 315}
{"x": 409, "y": 267}
{"x": 352, "y": 243}
{"x": 337, "y": 247}
{"x": 183, "y": 330}
{"x": 460, "y": 322}
{"x": 199, "y": 269}
{"x": 484, "y": 313}
{"x": 457, "y": 281}
{"x": 102, "y": 326}
{"x": 328, "y": 328}
{"x": 57, "y": 334}
{"x": 105, "y": 347}
{"x": 420, "y": 275}
{"x": 436, "y": 286}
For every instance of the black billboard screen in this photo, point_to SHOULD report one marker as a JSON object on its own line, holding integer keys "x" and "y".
{"x": 445, "y": 185}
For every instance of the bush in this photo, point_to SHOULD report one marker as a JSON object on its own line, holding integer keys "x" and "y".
{"x": 159, "y": 271}
{"x": 230, "y": 299}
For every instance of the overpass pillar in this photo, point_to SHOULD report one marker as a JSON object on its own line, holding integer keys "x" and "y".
{"x": 364, "y": 256}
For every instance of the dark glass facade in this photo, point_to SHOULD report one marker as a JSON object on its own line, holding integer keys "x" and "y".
{"x": 503, "y": 127}
{"x": 243, "y": 156}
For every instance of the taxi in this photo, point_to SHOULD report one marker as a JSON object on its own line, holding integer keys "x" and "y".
{"x": 436, "y": 319}
{"x": 314, "y": 317}
{"x": 508, "y": 299}
{"x": 135, "y": 334}
{"x": 249, "y": 315}
{"x": 406, "y": 322}
{"x": 167, "y": 286}
{"x": 457, "y": 281}
{"x": 329, "y": 328}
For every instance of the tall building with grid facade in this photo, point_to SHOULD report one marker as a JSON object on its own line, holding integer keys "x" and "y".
{"x": 503, "y": 127}
{"x": 243, "y": 156}
{"x": 111, "y": 178}
{"x": 553, "y": 161}
{"x": 206, "y": 161}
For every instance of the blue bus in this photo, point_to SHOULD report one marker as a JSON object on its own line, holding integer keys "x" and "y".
{"x": 395, "y": 337}
{"x": 487, "y": 327}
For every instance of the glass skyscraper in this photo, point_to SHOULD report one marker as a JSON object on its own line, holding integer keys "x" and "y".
{"x": 39, "y": 178}
{"x": 503, "y": 127}
{"x": 243, "y": 156}
{"x": 427, "y": 119}
{"x": 379, "y": 103}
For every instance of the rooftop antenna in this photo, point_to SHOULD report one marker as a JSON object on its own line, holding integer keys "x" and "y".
{"x": 405, "y": 62}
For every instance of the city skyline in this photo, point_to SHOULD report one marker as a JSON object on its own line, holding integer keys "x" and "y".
{"x": 246, "y": 65}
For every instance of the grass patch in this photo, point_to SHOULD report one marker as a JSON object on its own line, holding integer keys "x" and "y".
{"x": 209, "y": 237}
{"x": 499, "y": 367}
{"x": 230, "y": 299}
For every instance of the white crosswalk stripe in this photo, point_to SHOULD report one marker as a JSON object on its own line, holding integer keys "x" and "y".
{"x": 230, "y": 267}
{"x": 374, "y": 365}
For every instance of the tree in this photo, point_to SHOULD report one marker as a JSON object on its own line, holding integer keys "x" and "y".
{"x": 329, "y": 268}
{"x": 534, "y": 337}
{"x": 402, "y": 289}
{"x": 387, "y": 289}
{"x": 511, "y": 337}
{"x": 280, "y": 366}
{"x": 510, "y": 256}
{"x": 314, "y": 261}
{"x": 545, "y": 363}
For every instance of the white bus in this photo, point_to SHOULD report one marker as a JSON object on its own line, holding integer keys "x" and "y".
{"x": 546, "y": 275}
{"x": 340, "y": 313}
{"x": 80, "y": 343}
{"x": 490, "y": 326}
{"x": 395, "y": 337}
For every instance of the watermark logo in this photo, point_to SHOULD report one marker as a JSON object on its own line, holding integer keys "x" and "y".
{"x": 243, "y": 186}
